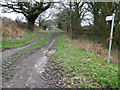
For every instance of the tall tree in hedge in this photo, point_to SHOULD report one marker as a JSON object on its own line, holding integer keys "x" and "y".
{"x": 31, "y": 10}
{"x": 102, "y": 9}
{"x": 70, "y": 18}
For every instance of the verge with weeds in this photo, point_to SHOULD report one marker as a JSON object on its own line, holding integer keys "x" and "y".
{"x": 84, "y": 70}
{"x": 30, "y": 36}
{"x": 34, "y": 46}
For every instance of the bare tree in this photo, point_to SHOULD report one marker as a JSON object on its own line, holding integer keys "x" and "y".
{"x": 42, "y": 17}
{"x": 70, "y": 17}
{"x": 31, "y": 10}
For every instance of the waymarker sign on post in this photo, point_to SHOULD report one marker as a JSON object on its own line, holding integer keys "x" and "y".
{"x": 109, "y": 18}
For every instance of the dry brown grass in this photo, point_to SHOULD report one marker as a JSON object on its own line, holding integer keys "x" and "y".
{"x": 11, "y": 31}
{"x": 95, "y": 49}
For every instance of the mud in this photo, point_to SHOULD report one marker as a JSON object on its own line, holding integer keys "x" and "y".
{"x": 9, "y": 52}
{"x": 33, "y": 70}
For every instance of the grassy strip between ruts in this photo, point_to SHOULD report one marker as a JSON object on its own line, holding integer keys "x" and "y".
{"x": 84, "y": 70}
{"x": 34, "y": 46}
{"x": 22, "y": 41}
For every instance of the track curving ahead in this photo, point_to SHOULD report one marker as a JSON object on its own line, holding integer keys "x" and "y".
{"x": 29, "y": 74}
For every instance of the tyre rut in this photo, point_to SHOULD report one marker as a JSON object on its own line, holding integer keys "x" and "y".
{"x": 9, "y": 52}
{"x": 29, "y": 73}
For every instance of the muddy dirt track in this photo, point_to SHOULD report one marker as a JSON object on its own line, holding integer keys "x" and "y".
{"x": 32, "y": 70}
{"x": 9, "y": 52}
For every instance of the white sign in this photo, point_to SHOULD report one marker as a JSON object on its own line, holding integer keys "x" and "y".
{"x": 109, "y": 18}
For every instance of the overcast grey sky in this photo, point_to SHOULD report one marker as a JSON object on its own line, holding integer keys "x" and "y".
{"x": 14, "y": 15}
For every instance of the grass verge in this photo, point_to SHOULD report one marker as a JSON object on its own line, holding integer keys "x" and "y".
{"x": 83, "y": 70}
{"x": 33, "y": 47}
{"x": 30, "y": 36}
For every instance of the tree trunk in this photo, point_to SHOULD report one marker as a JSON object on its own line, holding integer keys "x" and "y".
{"x": 31, "y": 24}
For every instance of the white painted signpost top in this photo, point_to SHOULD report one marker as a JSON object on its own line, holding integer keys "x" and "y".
{"x": 109, "y": 18}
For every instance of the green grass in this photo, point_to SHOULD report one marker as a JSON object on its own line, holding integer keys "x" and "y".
{"x": 83, "y": 69}
{"x": 34, "y": 46}
{"x": 19, "y": 42}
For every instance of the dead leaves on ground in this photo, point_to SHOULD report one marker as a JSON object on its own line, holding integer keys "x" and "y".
{"x": 93, "y": 48}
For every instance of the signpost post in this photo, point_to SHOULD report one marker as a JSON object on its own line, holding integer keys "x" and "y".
{"x": 108, "y": 18}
